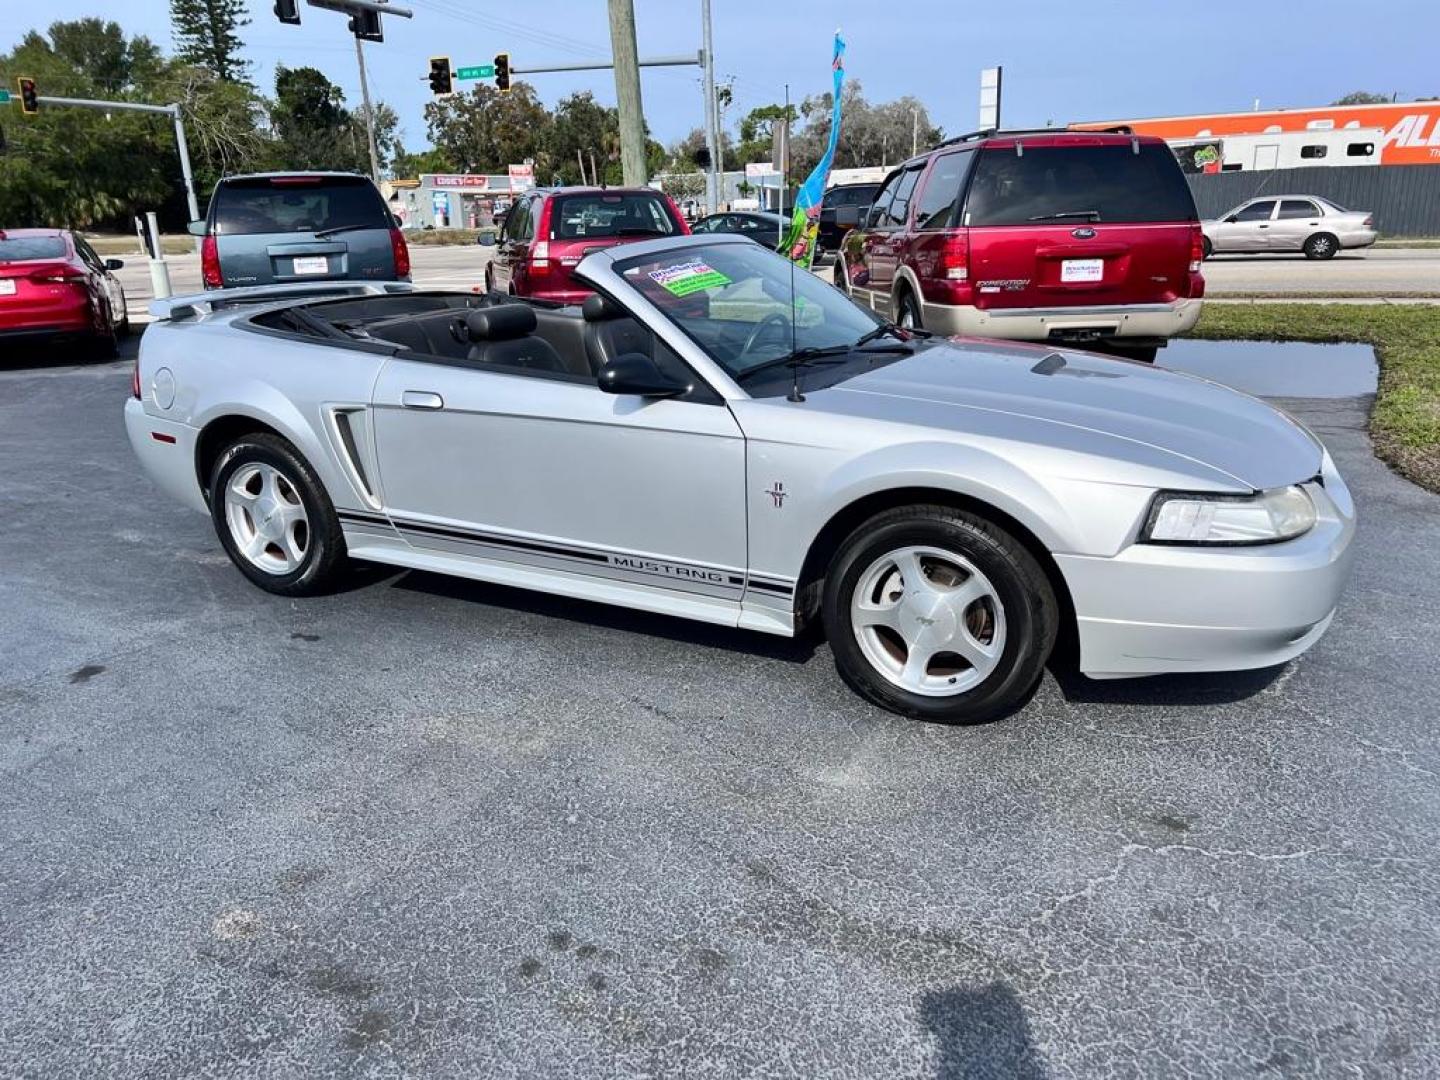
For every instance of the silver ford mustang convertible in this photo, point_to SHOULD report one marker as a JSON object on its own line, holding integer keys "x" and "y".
{"x": 715, "y": 437}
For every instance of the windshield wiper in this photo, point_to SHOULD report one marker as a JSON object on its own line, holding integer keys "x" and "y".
{"x": 900, "y": 333}
{"x": 826, "y": 355}
{"x": 333, "y": 229}
{"x": 1093, "y": 215}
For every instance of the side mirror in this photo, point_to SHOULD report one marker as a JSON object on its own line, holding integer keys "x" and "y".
{"x": 1231, "y": 220}
{"x": 114, "y": 264}
{"x": 196, "y": 228}
{"x": 486, "y": 239}
{"x": 636, "y": 373}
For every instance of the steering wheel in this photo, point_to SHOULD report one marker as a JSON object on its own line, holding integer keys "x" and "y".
{"x": 773, "y": 319}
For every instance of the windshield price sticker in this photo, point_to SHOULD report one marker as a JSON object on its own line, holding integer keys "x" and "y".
{"x": 688, "y": 278}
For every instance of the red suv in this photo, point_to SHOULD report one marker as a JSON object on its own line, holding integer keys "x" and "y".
{"x": 548, "y": 232}
{"x": 1080, "y": 237}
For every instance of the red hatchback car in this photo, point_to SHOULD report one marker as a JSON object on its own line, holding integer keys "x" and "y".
{"x": 53, "y": 286}
{"x": 1085, "y": 238}
{"x": 548, "y": 232}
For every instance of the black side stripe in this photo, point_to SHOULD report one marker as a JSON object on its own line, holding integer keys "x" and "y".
{"x": 535, "y": 547}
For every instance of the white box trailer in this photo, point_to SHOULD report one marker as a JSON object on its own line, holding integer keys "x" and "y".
{"x": 1280, "y": 150}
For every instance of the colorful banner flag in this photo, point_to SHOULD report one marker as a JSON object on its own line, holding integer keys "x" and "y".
{"x": 805, "y": 225}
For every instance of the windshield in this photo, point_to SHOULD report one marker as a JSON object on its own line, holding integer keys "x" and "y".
{"x": 25, "y": 248}
{"x": 577, "y": 217}
{"x": 1079, "y": 184}
{"x": 736, "y": 302}
{"x": 287, "y": 204}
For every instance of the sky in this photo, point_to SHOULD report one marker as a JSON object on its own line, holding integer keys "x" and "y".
{"x": 1064, "y": 60}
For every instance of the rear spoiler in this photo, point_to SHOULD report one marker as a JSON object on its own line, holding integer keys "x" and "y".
{"x": 198, "y": 305}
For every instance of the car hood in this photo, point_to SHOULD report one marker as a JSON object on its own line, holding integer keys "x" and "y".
{"x": 1130, "y": 403}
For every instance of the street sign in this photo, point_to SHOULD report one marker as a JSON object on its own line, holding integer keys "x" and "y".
{"x": 482, "y": 71}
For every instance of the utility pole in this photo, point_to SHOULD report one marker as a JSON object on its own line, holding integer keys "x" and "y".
{"x": 369, "y": 113}
{"x": 914, "y": 132}
{"x": 627, "y": 91}
{"x": 712, "y": 137}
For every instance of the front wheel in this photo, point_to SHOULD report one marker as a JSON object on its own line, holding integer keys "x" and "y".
{"x": 940, "y": 615}
{"x": 274, "y": 519}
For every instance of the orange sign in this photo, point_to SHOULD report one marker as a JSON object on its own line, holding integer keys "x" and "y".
{"x": 1412, "y": 128}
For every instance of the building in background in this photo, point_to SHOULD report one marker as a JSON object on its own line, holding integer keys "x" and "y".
{"x": 1409, "y": 133}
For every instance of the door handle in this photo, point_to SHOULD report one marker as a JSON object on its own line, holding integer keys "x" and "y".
{"x": 1264, "y": 226}
{"x": 421, "y": 399}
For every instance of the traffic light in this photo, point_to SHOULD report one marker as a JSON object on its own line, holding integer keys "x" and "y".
{"x": 288, "y": 11}
{"x": 502, "y": 72}
{"x": 442, "y": 79}
{"x": 29, "y": 97}
{"x": 365, "y": 25}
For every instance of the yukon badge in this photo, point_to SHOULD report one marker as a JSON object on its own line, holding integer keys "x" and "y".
{"x": 777, "y": 492}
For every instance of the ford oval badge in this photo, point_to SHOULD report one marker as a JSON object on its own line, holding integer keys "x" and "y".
{"x": 1083, "y": 233}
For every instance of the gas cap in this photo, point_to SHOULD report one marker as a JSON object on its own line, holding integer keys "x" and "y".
{"x": 162, "y": 388}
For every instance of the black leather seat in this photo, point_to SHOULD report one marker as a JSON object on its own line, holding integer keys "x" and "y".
{"x": 611, "y": 331}
{"x": 505, "y": 335}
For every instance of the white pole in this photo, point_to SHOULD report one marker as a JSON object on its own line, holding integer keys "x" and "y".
{"x": 369, "y": 115}
{"x": 159, "y": 272}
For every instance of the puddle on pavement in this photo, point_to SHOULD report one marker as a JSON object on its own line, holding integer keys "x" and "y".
{"x": 1277, "y": 369}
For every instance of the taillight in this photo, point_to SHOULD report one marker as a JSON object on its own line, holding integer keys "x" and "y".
{"x": 1197, "y": 248}
{"x": 401, "y": 252}
{"x": 540, "y": 255}
{"x": 59, "y": 277}
{"x": 1369, "y": 220}
{"x": 955, "y": 258}
{"x": 135, "y": 379}
{"x": 210, "y": 264}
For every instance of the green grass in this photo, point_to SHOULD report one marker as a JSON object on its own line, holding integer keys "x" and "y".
{"x": 1405, "y": 423}
{"x": 1408, "y": 242}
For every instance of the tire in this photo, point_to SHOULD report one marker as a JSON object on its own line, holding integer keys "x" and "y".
{"x": 1206, "y": 247}
{"x": 282, "y": 558}
{"x": 1321, "y": 246}
{"x": 101, "y": 348}
{"x": 1012, "y": 619}
{"x": 907, "y": 308}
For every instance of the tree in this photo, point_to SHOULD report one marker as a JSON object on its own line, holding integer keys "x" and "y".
{"x": 880, "y": 134}
{"x": 484, "y": 131}
{"x": 757, "y": 130}
{"x": 100, "y": 51}
{"x": 1363, "y": 97}
{"x": 206, "y": 35}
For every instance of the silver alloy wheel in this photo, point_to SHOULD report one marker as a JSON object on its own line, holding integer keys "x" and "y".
{"x": 928, "y": 621}
{"x": 1320, "y": 245}
{"x": 907, "y": 315}
{"x": 267, "y": 518}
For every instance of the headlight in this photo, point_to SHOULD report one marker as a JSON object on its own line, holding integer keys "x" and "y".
{"x": 1179, "y": 517}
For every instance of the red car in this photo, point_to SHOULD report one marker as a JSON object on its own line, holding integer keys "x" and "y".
{"x": 548, "y": 232}
{"x": 54, "y": 286}
{"x": 1084, "y": 238}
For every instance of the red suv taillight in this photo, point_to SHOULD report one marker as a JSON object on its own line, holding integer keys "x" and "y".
{"x": 210, "y": 264}
{"x": 401, "y": 251}
{"x": 955, "y": 259}
{"x": 1197, "y": 248}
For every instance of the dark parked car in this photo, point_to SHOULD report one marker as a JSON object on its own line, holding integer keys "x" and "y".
{"x": 1040, "y": 236}
{"x": 549, "y": 230}
{"x": 760, "y": 225}
{"x": 277, "y": 228}
{"x": 842, "y": 209}
{"x": 54, "y": 286}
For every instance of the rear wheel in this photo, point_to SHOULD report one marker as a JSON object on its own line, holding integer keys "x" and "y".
{"x": 1321, "y": 246}
{"x": 938, "y": 614}
{"x": 274, "y": 518}
{"x": 907, "y": 310}
{"x": 1207, "y": 247}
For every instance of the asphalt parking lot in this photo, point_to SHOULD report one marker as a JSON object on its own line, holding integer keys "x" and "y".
{"x": 443, "y": 828}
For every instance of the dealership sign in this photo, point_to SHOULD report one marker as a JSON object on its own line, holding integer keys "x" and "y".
{"x": 522, "y": 177}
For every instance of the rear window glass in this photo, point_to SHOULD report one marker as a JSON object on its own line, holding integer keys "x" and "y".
{"x": 578, "y": 217}
{"x": 1078, "y": 184}
{"x": 282, "y": 205}
{"x": 24, "y": 248}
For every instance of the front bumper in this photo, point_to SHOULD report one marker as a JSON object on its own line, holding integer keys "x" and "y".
{"x": 1106, "y": 322}
{"x": 167, "y": 453}
{"x": 1153, "y": 609}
